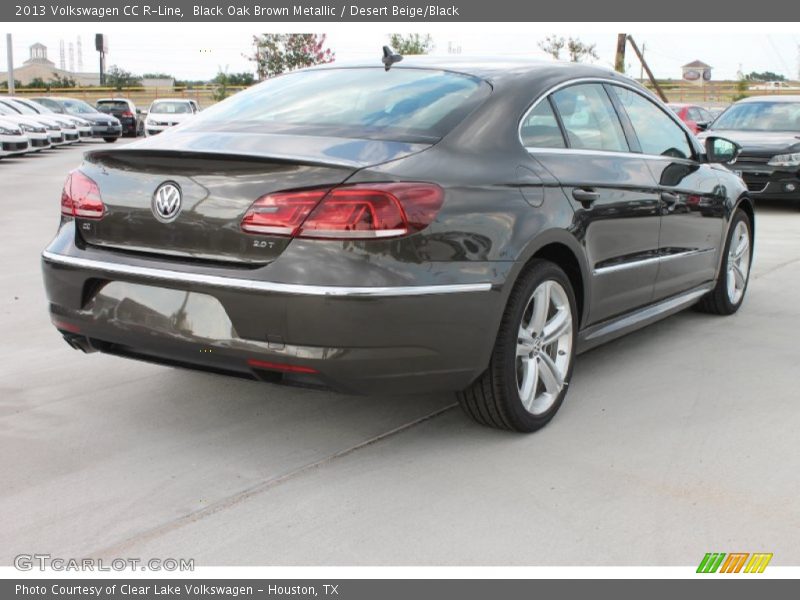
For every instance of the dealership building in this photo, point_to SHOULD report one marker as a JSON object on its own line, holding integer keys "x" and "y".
{"x": 38, "y": 65}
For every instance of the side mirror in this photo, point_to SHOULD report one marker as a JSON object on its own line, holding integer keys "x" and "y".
{"x": 701, "y": 126}
{"x": 722, "y": 151}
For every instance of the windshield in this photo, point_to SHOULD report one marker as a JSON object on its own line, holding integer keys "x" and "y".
{"x": 34, "y": 106}
{"x": 170, "y": 108}
{"x": 409, "y": 105}
{"x": 78, "y": 107}
{"x": 761, "y": 116}
{"x": 19, "y": 107}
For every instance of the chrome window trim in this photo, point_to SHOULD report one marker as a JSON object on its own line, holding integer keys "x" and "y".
{"x": 650, "y": 260}
{"x": 168, "y": 275}
{"x": 602, "y": 80}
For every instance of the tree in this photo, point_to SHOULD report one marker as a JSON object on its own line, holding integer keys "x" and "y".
{"x": 4, "y": 84}
{"x": 37, "y": 82}
{"x": 120, "y": 78}
{"x": 276, "y": 53}
{"x": 57, "y": 81}
{"x": 576, "y": 49}
{"x": 764, "y": 76}
{"x": 242, "y": 79}
{"x": 410, "y": 44}
{"x": 553, "y": 45}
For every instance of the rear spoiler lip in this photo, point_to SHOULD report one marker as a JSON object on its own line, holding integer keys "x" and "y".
{"x": 352, "y": 153}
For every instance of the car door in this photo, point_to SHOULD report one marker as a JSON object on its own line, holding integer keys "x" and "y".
{"x": 585, "y": 147}
{"x": 692, "y": 200}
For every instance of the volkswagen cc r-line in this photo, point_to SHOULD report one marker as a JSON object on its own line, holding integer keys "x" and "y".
{"x": 466, "y": 226}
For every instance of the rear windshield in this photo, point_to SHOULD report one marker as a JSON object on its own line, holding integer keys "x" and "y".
{"x": 761, "y": 116}
{"x": 170, "y": 108}
{"x": 113, "y": 104}
{"x": 411, "y": 105}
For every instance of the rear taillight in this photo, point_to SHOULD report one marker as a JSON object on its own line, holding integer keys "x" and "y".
{"x": 381, "y": 210}
{"x": 81, "y": 197}
{"x": 281, "y": 213}
{"x": 127, "y": 113}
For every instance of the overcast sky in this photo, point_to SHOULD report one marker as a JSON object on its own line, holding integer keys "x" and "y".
{"x": 197, "y": 51}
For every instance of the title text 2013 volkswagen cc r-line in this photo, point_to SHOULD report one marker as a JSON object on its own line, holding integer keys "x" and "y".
{"x": 463, "y": 226}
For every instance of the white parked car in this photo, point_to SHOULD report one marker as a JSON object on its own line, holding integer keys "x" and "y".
{"x": 168, "y": 112}
{"x": 83, "y": 126}
{"x": 12, "y": 140}
{"x": 36, "y": 132}
{"x": 67, "y": 132}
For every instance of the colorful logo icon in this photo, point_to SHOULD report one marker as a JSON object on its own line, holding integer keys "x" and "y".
{"x": 735, "y": 562}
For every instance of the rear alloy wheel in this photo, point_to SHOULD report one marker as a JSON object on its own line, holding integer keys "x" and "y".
{"x": 728, "y": 294}
{"x": 531, "y": 364}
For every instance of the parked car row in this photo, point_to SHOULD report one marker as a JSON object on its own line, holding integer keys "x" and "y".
{"x": 37, "y": 123}
{"x": 27, "y": 125}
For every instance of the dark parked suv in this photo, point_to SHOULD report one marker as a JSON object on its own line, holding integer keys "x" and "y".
{"x": 438, "y": 225}
{"x": 126, "y": 112}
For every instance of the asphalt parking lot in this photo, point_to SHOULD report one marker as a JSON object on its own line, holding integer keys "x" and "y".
{"x": 675, "y": 441}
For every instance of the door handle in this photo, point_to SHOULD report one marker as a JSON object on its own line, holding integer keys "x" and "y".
{"x": 669, "y": 198}
{"x": 585, "y": 196}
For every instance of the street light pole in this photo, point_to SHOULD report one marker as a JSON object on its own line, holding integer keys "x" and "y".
{"x": 10, "y": 56}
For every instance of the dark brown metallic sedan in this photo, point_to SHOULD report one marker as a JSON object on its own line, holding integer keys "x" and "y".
{"x": 457, "y": 226}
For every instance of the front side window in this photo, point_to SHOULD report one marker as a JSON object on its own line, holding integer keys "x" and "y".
{"x": 657, "y": 133}
{"x": 540, "y": 128}
{"x": 590, "y": 121}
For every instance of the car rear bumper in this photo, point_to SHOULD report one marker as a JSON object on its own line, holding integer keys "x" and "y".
{"x": 402, "y": 339}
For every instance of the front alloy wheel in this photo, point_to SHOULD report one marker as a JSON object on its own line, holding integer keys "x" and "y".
{"x": 728, "y": 294}
{"x": 531, "y": 363}
{"x": 738, "y": 262}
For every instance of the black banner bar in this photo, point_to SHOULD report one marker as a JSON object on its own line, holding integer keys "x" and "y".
{"x": 433, "y": 11}
{"x": 714, "y": 586}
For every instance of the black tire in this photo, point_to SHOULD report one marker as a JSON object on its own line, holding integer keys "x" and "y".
{"x": 494, "y": 398}
{"x": 109, "y": 140}
{"x": 718, "y": 300}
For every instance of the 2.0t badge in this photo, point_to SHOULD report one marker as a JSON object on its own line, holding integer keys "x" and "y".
{"x": 167, "y": 201}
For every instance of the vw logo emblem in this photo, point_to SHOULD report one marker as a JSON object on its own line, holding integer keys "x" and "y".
{"x": 167, "y": 202}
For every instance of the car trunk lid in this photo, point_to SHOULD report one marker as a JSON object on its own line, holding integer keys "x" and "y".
{"x": 219, "y": 176}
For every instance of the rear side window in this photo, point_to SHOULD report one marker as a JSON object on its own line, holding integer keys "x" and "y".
{"x": 540, "y": 128}
{"x": 657, "y": 133}
{"x": 401, "y": 104}
{"x": 590, "y": 121}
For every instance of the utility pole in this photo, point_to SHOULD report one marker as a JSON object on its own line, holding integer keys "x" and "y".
{"x": 619, "y": 62}
{"x": 10, "y": 56}
{"x": 641, "y": 68}
{"x": 657, "y": 87}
